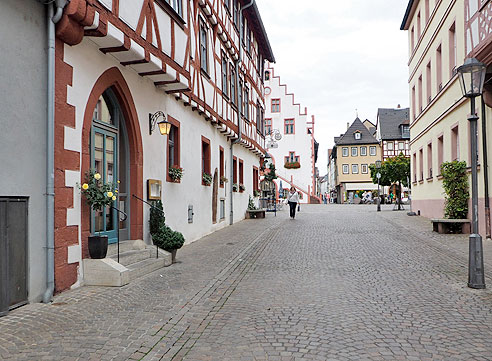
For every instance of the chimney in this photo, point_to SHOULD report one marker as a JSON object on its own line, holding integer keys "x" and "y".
{"x": 399, "y": 106}
{"x": 348, "y": 125}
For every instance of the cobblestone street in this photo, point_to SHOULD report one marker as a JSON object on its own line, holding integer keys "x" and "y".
{"x": 336, "y": 283}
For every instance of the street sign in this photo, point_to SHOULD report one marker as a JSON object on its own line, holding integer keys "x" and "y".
{"x": 378, "y": 175}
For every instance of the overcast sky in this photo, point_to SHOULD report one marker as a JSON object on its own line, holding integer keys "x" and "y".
{"x": 337, "y": 56}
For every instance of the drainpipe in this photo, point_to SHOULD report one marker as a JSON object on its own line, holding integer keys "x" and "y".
{"x": 485, "y": 171}
{"x": 235, "y": 141}
{"x": 52, "y": 19}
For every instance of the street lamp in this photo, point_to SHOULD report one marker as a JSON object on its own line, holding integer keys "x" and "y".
{"x": 378, "y": 176}
{"x": 472, "y": 76}
{"x": 164, "y": 125}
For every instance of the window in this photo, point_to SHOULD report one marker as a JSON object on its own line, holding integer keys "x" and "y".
{"x": 260, "y": 66}
{"x": 275, "y": 105}
{"x": 234, "y": 170}
{"x": 452, "y": 50}
{"x": 203, "y": 47}
{"x": 429, "y": 160}
{"x": 248, "y": 40}
{"x": 205, "y": 157}
{"x": 176, "y": 5}
{"x": 173, "y": 150}
{"x": 405, "y": 131}
{"x": 427, "y": 11}
{"x": 390, "y": 145}
{"x": 355, "y": 169}
{"x": 372, "y": 150}
{"x": 364, "y": 168}
{"x": 412, "y": 37}
{"x": 225, "y": 82}
{"x": 345, "y": 152}
{"x": 345, "y": 169}
{"x": 354, "y": 151}
{"x": 421, "y": 104}
{"x": 419, "y": 26}
{"x": 429, "y": 82}
{"x": 357, "y": 135}
{"x": 289, "y": 126}
{"x": 421, "y": 164}
{"x": 440, "y": 150}
{"x": 439, "y": 68}
{"x": 256, "y": 177}
{"x": 267, "y": 75}
{"x": 455, "y": 143}
{"x": 260, "y": 119}
{"x": 240, "y": 97}
{"x": 363, "y": 151}
{"x": 233, "y": 86}
{"x": 235, "y": 12}
{"x": 221, "y": 166}
{"x": 241, "y": 173}
{"x": 292, "y": 157}
{"x": 401, "y": 146}
{"x": 227, "y": 4}
{"x": 268, "y": 126}
{"x": 414, "y": 167}
{"x": 414, "y": 106}
{"x": 246, "y": 103}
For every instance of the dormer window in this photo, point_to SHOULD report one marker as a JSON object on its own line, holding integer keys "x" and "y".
{"x": 357, "y": 135}
{"x": 405, "y": 131}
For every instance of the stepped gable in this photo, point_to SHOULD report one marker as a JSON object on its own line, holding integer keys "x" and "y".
{"x": 390, "y": 120}
{"x": 366, "y": 137}
{"x": 277, "y": 77}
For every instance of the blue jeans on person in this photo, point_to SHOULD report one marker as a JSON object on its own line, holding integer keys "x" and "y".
{"x": 292, "y": 206}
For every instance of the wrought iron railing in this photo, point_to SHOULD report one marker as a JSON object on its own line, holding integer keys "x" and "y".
{"x": 118, "y": 231}
{"x": 155, "y": 208}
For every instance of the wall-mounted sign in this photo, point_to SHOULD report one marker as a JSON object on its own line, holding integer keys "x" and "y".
{"x": 154, "y": 189}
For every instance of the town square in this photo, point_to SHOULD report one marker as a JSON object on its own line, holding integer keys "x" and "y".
{"x": 245, "y": 180}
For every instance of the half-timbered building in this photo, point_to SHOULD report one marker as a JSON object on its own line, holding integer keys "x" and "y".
{"x": 393, "y": 132}
{"x": 121, "y": 66}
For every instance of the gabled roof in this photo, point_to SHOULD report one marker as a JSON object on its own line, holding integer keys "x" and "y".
{"x": 357, "y": 126}
{"x": 390, "y": 120}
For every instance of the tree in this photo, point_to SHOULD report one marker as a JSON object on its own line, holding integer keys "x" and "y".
{"x": 393, "y": 170}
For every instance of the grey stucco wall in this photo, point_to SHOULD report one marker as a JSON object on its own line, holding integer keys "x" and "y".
{"x": 23, "y": 78}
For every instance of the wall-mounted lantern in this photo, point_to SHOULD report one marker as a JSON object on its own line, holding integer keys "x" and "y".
{"x": 164, "y": 125}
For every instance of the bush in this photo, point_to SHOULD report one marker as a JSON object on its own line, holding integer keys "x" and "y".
{"x": 157, "y": 218}
{"x": 168, "y": 239}
{"x": 455, "y": 184}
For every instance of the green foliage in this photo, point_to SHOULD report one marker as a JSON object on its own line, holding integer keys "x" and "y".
{"x": 256, "y": 193}
{"x": 98, "y": 194}
{"x": 455, "y": 184}
{"x": 168, "y": 239}
{"x": 235, "y": 187}
{"x": 393, "y": 170}
{"x": 271, "y": 175}
{"x": 176, "y": 173}
{"x": 207, "y": 178}
{"x": 157, "y": 218}
{"x": 242, "y": 187}
{"x": 251, "y": 204}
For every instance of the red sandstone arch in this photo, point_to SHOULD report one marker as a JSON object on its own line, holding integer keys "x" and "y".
{"x": 112, "y": 78}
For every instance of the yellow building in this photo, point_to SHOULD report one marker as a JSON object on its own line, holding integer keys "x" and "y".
{"x": 355, "y": 151}
{"x": 439, "y": 129}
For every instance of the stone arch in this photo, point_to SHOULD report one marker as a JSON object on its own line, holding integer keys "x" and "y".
{"x": 112, "y": 78}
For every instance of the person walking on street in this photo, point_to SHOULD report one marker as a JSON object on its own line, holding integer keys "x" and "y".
{"x": 293, "y": 199}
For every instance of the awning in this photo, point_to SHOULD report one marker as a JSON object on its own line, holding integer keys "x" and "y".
{"x": 360, "y": 186}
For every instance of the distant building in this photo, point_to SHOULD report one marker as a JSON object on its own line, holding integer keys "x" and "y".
{"x": 393, "y": 132}
{"x": 355, "y": 151}
{"x": 290, "y": 140}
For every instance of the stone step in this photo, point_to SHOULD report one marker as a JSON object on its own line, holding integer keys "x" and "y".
{"x": 144, "y": 267}
{"x": 125, "y": 246}
{"x": 133, "y": 256}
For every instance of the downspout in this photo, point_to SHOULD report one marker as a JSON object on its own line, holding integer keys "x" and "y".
{"x": 485, "y": 171}
{"x": 52, "y": 19}
{"x": 235, "y": 141}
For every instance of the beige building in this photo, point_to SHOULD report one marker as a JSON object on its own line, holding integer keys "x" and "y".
{"x": 355, "y": 151}
{"x": 439, "y": 129}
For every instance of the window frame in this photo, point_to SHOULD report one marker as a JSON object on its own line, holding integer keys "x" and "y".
{"x": 221, "y": 166}
{"x": 375, "y": 150}
{"x": 225, "y": 76}
{"x": 345, "y": 154}
{"x": 277, "y": 106}
{"x": 345, "y": 166}
{"x": 206, "y": 158}
{"x": 354, "y": 151}
{"x": 203, "y": 44}
{"x": 362, "y": 167}
{"x": 175, "y": 127}
{"x": 356, "y": 168}
{"x": 241, "y": 174}
{"x": 289, "y": 124}
{"x": 363, "y": 151}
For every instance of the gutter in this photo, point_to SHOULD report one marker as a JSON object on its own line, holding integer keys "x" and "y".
{"x": 407, "y": 14}
{"x": 239, "y": 138}
{"x": 52, "y": 19}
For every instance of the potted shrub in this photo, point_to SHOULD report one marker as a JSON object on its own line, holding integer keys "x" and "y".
{"x": 223, "y": 180}
{"x": 256, "y": 193}
{"x": 235, "y": 187}
{"x": 98, "y": 195}
{"x": 168, "y": 240}
{"x": 175, "y": 173}
{"x": 242, "y": 187}
{"x": 207, "y": 178}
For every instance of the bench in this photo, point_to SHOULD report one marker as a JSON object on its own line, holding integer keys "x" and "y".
{"x": 451, "y": 225}
{"x": 255, "y": 213}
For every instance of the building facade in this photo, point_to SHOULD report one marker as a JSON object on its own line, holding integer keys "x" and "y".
{"x": 120, "y": 63}
{"x": 294, "y": 153}
{"x": 442, "y": 34}
{"x": 356, "y": 150}
{"x": 393, "y": 132}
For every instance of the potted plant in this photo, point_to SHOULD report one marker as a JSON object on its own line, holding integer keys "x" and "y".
{"x": 98, "y": 195}
{"x": 292, "y": 165}
{"x": 175, "y": 173}
{"x": 207, "y": 178}
{"x": 256, "y": 193}
{"x": 223, "y": 180}
{"x": 242, "y": 187}
{"x": 235, "y": 187}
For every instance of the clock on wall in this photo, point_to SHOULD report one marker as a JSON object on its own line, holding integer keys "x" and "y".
{"x": 267, "y": 91}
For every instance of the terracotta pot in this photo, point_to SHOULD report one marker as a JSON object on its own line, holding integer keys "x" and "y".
{"x": 98, "y": 246}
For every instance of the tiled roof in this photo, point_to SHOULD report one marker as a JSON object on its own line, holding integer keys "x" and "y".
{"x": 389, "y": 121}
{"x": 349, "y": 138}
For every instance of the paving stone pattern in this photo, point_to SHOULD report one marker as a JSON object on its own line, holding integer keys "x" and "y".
{"x": 340, "y": 282}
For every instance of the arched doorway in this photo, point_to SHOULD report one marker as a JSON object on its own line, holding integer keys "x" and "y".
{"x": 109, "y": 157}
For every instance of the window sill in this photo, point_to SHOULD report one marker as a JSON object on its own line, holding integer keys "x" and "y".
{"x": 414, "y": 183}
{"x": 430, "y": 179}
{"x": 439, "y": 177}
{"x": 205, "y": 184}
{"x": 421, "y": 181}
{"x": 169, "y": 180}
{"x": 204, "y": 73}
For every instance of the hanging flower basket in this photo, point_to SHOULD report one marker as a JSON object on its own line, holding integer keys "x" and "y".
{"x": 235, "y": 187}
{"x": 242, "y": 187}
{"x": 292, "y": 165}
{"x": 175, "y": 173}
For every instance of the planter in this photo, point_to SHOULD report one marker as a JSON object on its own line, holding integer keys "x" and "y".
{"x": 98, "y": 246}
{"x": 173, "y": 255}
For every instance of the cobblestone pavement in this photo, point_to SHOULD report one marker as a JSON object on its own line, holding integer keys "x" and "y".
{"x": 339, "y": 282}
